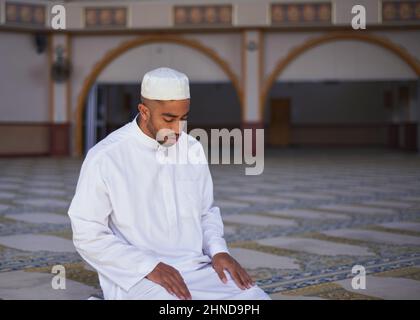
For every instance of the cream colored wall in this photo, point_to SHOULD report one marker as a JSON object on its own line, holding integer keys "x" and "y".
{"x": 129, "y": 67}
{"x": 86, "y": 52}
{"x": 226, "y": 45}
{"x": 279, "y": 44}
{"x": 132, "y": 65}
{"x": 24, "y": 88}
{"x": 158, "y": 14}
{"x": 407, "y": 39}
{"x": 347, "y": 60}
{"x": 29, "y": 70}
{"x": 251, "y": 13}
{"x": 344, "y": 60}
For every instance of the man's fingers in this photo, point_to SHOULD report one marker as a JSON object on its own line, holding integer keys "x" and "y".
{"x": 251, "y": 281}
{"x": 236, "y": 277}
{"x": 167, "y": 287}
{"x": 180, "y": 288}
{"x": 243, "y": 275}
{"x": 183, "y": 288}
{"x": 245, "y": 278}
{"x": 221, "y": 274}
{"x": 175, "y": 289}
{"x": 182, "y": 285}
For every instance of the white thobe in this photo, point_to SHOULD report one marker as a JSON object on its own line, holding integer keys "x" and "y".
{"x": 131, "y": 210}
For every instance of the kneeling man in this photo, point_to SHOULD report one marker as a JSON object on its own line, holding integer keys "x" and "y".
{"x": 145, "y": 220}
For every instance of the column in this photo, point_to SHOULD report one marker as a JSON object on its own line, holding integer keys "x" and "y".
{"x": 60, "y": 115}
{"x": 252, "y": 71}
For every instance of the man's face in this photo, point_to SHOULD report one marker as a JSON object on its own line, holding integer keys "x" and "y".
{"x": 164, "y": 119}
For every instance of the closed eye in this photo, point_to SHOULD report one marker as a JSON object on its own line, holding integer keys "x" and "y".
{"x": 172, "y": 120}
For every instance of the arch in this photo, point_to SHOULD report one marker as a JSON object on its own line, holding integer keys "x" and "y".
{"x": 114, "y": 53}
{"x": 330, "y": 37}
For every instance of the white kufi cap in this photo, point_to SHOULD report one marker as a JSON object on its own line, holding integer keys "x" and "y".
{"x": 165, "y": 84}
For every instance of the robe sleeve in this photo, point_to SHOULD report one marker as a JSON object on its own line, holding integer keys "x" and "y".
{"x": 211, "y": 220}
{"x": 89, "y": 211}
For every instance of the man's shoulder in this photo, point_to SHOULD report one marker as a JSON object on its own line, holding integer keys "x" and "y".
{"x": 108, "y": 144}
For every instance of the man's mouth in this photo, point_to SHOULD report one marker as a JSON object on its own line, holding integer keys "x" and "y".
{"x": 171, "y": 139}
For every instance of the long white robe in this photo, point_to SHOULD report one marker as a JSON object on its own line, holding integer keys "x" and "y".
{"x": 131, "y": 210}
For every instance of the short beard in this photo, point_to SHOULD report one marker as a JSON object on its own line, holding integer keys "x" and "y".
{"x": 149, "y": 126}
{"x": 152, "y": 130}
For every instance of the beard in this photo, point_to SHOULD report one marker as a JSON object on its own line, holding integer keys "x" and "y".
{"x": 169, "y": 138}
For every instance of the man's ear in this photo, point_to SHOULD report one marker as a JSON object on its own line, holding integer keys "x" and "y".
{"x": 144, "y": 111}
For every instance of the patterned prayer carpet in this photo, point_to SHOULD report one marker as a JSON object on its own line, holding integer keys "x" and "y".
{"x": 298, "y": 228}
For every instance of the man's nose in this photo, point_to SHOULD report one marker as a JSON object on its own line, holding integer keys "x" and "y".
{"x": 178, "y": 126}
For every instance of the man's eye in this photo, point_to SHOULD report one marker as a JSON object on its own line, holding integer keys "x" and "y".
{"x": 166, "y": 120}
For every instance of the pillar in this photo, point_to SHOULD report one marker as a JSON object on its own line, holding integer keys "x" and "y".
{"x": 252, "y": 73}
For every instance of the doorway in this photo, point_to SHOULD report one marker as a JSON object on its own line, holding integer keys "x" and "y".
{"x": 279, "y": 129}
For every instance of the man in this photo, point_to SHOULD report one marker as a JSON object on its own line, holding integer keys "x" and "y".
{"x": 148, "y": 226}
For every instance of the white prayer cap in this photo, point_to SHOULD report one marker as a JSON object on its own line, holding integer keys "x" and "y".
{"x": 165, "y": 84}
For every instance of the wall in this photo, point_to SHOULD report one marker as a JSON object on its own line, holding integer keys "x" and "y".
{"x": 88, "y": 50}
{"x": 344, "y": 113}
{"x": 340, "y": 60}
{"x": 131, "y": 66}
{"x": 24, "y": 84}
{"x": 24, "y": 93}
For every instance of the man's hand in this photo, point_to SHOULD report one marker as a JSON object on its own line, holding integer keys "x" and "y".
{"x": 170, "y": 278}
{"x": 222, "y": 261}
